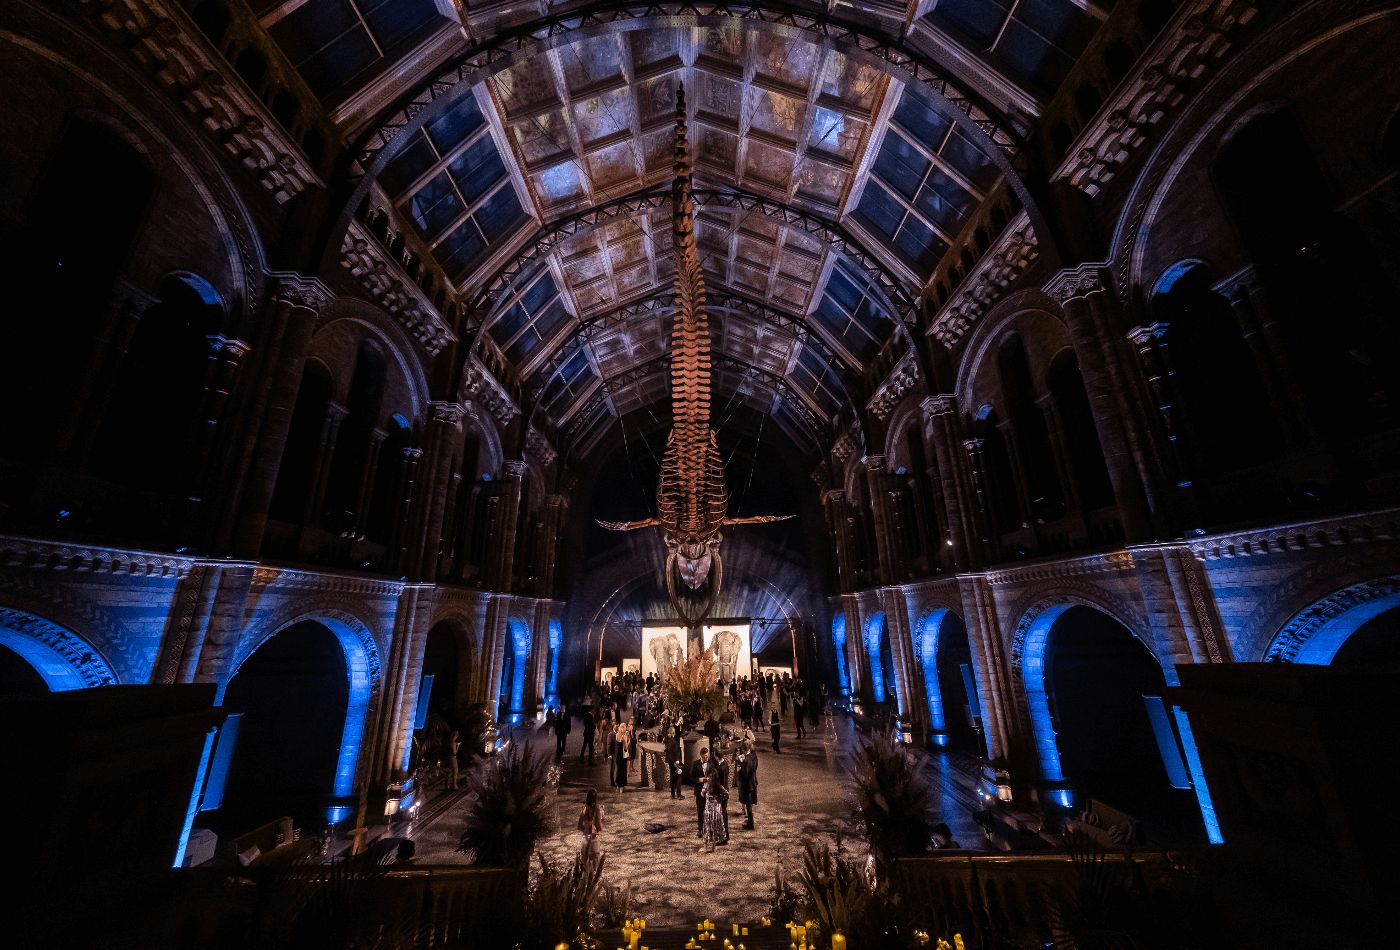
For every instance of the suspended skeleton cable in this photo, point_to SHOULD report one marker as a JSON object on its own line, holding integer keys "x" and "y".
{"x": 691, "y": 499}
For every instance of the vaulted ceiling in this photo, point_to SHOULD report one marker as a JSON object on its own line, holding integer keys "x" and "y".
{"x": 840, "y": 151}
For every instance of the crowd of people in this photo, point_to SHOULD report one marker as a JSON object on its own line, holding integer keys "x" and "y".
{"x": 618, "y": 714}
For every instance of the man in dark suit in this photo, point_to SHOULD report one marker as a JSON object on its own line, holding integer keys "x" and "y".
{"x": 748, "y": 783}
{"x": 589, "y": 727}
{"x": 697, "y": 772}
{"x": 673, "y": 762}
{"x": 562, "y": 724}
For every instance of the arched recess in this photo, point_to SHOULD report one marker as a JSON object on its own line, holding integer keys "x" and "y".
{"x": 356, "y": 664}
{"x": 1086, "y": 677}
{"x": 57, "y": 655}
{"x": 884, "y": 681}
{"x": 514, "y": 667}
{"x": 556, "y": 647}
{"x": 447, "y": 658}
{"x": 1347, "y": 622}
{"x": 838, "y": 641}
{"x": 943, "y": 651}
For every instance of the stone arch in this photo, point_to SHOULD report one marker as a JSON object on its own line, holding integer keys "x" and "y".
{"x": 838, "y": 641}
{"x": 396, "y": 343}
{"x": 926, "y": 633}
{"x": 984, "y": 337}
{"x": 515, "y": 668}
{"x": 556, "y": 647}
{"x": 61, "y": 657}
{"x": 1029, "y": 673}
{"x": 362, "y": 662}
{"x": 121, "y": 652}
{"x": 1315, "y": 633}
{"x": 907, "y": 415}
{"x": 884, "y": 678}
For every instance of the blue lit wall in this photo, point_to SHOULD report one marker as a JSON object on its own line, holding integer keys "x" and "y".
{"x": 518, "y": 644}
{"x": 1033, "y": 676}
{"x": 556, "y": 643}
{"x": 838, "y": 639}
{"x": 926, "y": 640}
{"x": 874, "y": 633}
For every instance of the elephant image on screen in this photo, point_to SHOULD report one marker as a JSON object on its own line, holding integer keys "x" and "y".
{"x": 662, "y": 648}
{"x": 730, "y": 643}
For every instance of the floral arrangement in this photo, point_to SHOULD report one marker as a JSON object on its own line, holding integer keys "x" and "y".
{"x": 692, "y": 686}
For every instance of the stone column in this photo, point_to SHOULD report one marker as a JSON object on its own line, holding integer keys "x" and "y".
{"x": 1064, "y": 467}
{"x": 556, "y": 511}
{"x": 321, "y": 465}
{"x": 987, "y": 525}
{"x": 369, "y": 475}
{"x": 834, "y": 507}
{"x": 443, "y": 444}
{"x": 92, "y": 396}
{"x": 1082, "y": 293}
{"x": 888, "y": 556}
{"x": 1271, "y": 357}
{"x": 955, "y": 486}
{"x": 857, "y": 660}
{"x": 501, "y": 569}
{"x": 266, "y": 415}
{"x": 1185, "y": 623}
{"x": 1182, "y": 460}
{"x": 208, "y": 608}
{"x": 994, "y": 693}
{"x": 402, "y": 534}
{"x": 225, "y": 357}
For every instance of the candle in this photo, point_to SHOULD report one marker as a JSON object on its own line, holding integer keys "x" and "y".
{"x": 838, "y": 941}
{"x": 744, "y": 931}
{"x": 736, "y": 929}
{"x": 958, "y": 942}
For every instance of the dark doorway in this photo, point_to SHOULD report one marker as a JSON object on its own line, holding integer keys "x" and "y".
{"x": 293, "y": 693}
{"x": 954, "y": 653}
{"x": 17, "y": 677}
{"x": 1097, "y": 674}
{"x": 1374, "y": 646}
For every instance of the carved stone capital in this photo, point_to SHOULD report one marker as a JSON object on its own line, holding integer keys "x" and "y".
{"x": 412, "y": 453}
{"x": 1077, "y": 282}
{"x": 515, "y": 469}
{"x": 973, "y": 445}
{"x": 833, "y": 496}
{"x": 230, "y": 350}
{"x": 940, "y": 405}
{"x": 300, "y": 291}
{"x": 875, "y": 464}
{"x": 1150, "y": 336}
{"x": 450, "y": 413}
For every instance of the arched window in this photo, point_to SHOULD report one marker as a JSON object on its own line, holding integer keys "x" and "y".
{"x": 352, "y": 448}
{"x": 294, "y": 475}
{"x": 1081, "y": 435}
{"x": 1034, "y": 455}
{"x": 1232, "y": 424}
{"x": 1314, "y": 260}
{"x": 154, "y": 411}
{"x": 59, "y": 270}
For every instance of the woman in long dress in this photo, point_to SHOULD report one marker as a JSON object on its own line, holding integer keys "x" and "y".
{"x": 620, "y": 761}
{"x": 715, "y": 796}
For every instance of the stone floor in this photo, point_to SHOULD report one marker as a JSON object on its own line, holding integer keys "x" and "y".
{"x": 802, "y": 797}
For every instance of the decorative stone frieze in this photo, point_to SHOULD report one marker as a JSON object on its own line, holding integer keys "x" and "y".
{"x": 1076, "y": 282}
{"x": 538, "y": 446}
{"x": 298, "y": 290}
{"x": 889, "y": 393}
{"x": 1013, "y": 252}
{"x": 75, "y": 558}
{"x": 160, "y": 37}
{"x": 1200, "y": 38}
{"x": 1365, "y": 528}
{"x": 389, "y": 286}
{"x": 1112, "y": 562}
{"x": 846, "y": 443}
{"x": 482, "y": 387}
{"x": 292, "y": 579}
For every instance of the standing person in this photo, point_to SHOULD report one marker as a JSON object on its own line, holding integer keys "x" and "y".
{"x": 454, "y": 752}
{"x": 589, "y": 727}
{"x": 775, "y": 725}
{"x": 590, "y": 822}
{"x": 562, "y": 724}
{"x": 799, "y": 710}
{"x": 748, "y": 783}
{"x": 783, "y": 697}
{"x": 673, "y": 762}
{"x": 699, "y": 771}
{"x": 632, "y": 747}
{"x": 620, "y": 759}
{"x": 713, "y": 827}
{"x": 711, "y": 731}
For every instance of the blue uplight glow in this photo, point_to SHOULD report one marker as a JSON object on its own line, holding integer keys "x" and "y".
{"x": 874, "y": 630}
{"x": 1198, "y": 777}
{"x": 195, "y": 790}
{"x": 838, "y": 639}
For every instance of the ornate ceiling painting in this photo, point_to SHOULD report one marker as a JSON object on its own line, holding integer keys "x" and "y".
{"x": 839, "y": 153}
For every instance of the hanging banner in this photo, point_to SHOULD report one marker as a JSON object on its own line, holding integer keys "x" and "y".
{"x": 730, "y": 641}
{"x": 663, "y": 646}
